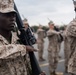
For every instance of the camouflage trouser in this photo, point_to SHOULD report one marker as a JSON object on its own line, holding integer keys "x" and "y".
{"x": 53, "y": 61}
{"x": 66, "y": 54}
{"x": 59, "y": 47}
{"x": 66, "y": 58}
{"x": 40, "y": 52}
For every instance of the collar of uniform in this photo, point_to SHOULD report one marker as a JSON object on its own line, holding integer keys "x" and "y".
{"x": 3, "y": 40}
{"x": 13, "y": 40}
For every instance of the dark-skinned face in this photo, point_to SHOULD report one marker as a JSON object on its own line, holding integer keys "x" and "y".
{"x": 7, "y": 21}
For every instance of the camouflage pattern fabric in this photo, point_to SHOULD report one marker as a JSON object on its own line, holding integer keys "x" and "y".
{"x": 71, "y": 36}
{"x": 13, "y": 57}
{"x": 40, "y": 42}
{"x": 53, "y": 49}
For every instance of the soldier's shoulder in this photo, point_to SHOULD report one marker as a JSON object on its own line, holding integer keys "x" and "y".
{"x": 71, "y": 29}
{"x": 71, "y": 26}
{"x": 49, "y": 31}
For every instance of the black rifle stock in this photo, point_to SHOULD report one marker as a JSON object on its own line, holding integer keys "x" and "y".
{"x": 23, "y": 37}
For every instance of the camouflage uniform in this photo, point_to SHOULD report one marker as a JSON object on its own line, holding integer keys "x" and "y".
{"x": 13, "y": 56}
{"x": 71, "y": 36}
{"x": 12, "y": 61}
{"x": 53, "y": 49}
{"x": 40, "y": 42}
{"x": 66, "y": 50}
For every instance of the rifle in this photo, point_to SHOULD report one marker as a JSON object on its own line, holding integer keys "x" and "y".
{"x": 25, "y": 39}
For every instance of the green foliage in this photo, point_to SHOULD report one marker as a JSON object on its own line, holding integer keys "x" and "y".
{"x": 35, "y": 28}
{"x": 63, "y": 27}
{"x": 45, "y": 28}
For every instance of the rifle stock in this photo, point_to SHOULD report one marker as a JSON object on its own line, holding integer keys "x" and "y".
{"x": 23, "y": 37}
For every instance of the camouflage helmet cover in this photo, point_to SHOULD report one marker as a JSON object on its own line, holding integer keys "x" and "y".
{"x": 7, "y": 6}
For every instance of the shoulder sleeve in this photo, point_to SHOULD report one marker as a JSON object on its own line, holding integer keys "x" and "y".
{"x": 71, "y": 30}
{"x": 11, "y": 51}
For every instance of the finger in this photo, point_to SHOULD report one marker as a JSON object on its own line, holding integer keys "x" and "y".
{"x": 35, "y": 50}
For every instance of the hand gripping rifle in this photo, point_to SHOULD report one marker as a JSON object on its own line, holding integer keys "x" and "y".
{"x": 27, "y": 38}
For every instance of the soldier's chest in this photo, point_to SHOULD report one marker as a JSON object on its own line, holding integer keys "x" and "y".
{"x": 53, "y": 38}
